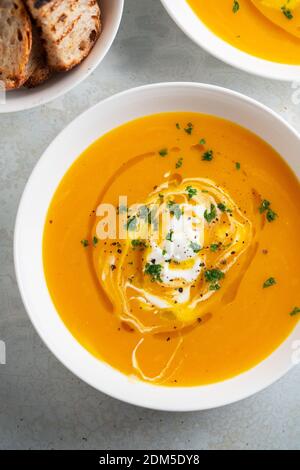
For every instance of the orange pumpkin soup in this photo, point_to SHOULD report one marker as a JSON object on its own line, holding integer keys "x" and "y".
{"x": 171, "y": 249}
{"x": 269, "y": 29}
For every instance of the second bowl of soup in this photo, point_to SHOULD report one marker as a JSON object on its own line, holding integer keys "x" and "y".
{"x": 258, "y": 36}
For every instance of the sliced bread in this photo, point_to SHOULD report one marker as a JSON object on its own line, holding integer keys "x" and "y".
{"x": 15, "y": 43}
{"x": 68, "y": 28}
{"x": 37, "y": 67}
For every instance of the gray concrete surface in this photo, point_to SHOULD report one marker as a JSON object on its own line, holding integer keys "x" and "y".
{"x": 44, "y": 406}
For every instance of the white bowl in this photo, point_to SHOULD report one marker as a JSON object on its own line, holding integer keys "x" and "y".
{"x": 193, "y": 27}
{"x": 32, "y": 214}
{"x": 60, "y": 83}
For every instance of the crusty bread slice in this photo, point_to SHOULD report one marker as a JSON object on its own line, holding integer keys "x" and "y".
{"x": 69, "y": 29}
{"x": 37, "y": 67}
{"x": 15, "y": 43}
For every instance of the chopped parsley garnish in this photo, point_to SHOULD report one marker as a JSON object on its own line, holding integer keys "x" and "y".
{"x": 179, "y": 163}
{"x": 287, "y": 12}
{"x": 189, "y": 128}
{"x": 138, "y": 244}
{"x": 210, "y": 216}
{"x": 208, "y": 156}
{"x": 215, "y": 286}
{"x": 84, "y": 243}
{"x": 213, "y": 275}
{"x": 169, "y": 236}
{"x": 195, "y": 247}
{"x": 95, "y": 241}
{"x": 236, "y": 6}
{"x": 163, "y": 152}
{"x": 177, "y": 125}
{"x": 191, "y": 192}
{"x": 153, "y": 270}
{"x": 266, "y": 207}
{"x": 174, "y": 209}
{"x": 238, "y": 165}
{"x": 214, "y": 247}
{"x": 295, "y": 311}
{"x": 202, "y": 142}
{"x": 271, "y": 215}
{"x": 269, "y": 282}
{"x": 223, "y": 208}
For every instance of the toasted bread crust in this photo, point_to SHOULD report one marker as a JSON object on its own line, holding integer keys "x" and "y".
{"x": 15, "y": 43}
{"x": 38, "y": 70}
{"x": 69, "y": 29}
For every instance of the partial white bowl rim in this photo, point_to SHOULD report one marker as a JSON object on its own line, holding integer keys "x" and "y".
{"x": 61, "y": 83}
{"x": 32, "y": 283}
{"x": 197, "y": 31}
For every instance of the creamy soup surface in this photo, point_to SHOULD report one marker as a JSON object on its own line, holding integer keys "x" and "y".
{"x": 269, "y": 29}
{"x": 171, "y": 249}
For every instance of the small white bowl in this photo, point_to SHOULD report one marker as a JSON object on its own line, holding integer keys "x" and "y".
{"x": 32, "y": 215}
{"x": 61, "y": 83}
{"x": 196, "y": 30}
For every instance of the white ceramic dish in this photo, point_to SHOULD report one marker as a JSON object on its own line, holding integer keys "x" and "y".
{"x": 31, "y": 218}
{"x": 193, "y": 27}
{"x": 22, "y": 99}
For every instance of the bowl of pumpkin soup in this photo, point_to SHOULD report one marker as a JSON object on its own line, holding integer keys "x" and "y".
{"x": 156, "y": 249}
{"x": 259, "y": 36}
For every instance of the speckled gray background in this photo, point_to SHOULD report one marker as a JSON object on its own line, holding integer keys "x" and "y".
{"x": 42, "y": 405}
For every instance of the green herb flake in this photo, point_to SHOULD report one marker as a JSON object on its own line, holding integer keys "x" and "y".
{"x": 191, "y": 192}
{"x": 215, "y": 286}
{"x": 179, "y": 163}
{"x": 169, "y": 236}
{"x": 287, "y": 12}
{"x": 271, "y": 215}
{"x": 189, "y": 129}
{"x": 208, "y": 156}
{"x": 265, "y": 205}
{"x": 95, "y": 241}
{"x": 238, "y": 165}
{"x": 214, "y": 247}
{"x": 213, "y": 275}
{"x": 163, "y": 152}
{"x": 269, "y": 282}
{"x": 295, "y": 311}
{"x": 210, "y": 216}
{"x": 223, "y": 208}
{"x": 202, "y": 142}
{"x": 236, "y": 6}
{"x": 154, "y": 271}
{"x": 84, "y": 243}
{"x": 138, "y": 244}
